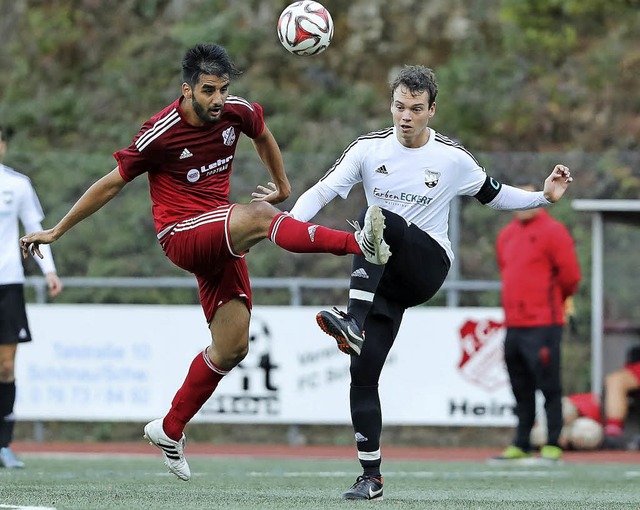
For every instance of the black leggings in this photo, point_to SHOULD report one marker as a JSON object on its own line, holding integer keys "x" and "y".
{"x": 415, "y": 272}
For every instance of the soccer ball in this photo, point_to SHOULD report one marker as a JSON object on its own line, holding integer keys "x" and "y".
{"x": 585, "y": 434}
{"x": 305, "y": 28}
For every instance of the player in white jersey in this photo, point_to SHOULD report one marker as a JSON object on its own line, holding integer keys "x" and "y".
{"x": 410, "y": 173}
{"x": 18, "y": 204}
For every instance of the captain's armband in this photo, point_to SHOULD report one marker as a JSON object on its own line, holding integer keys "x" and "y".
{"x": 489, "y": 190}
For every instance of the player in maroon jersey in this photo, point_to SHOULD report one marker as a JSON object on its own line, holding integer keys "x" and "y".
{"x": 187, "y": 151}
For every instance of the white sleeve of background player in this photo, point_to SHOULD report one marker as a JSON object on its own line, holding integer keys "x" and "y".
{"x": 512, "y": 199}
{"x": 31, "y": 216}
{"x": 311, "y": 201}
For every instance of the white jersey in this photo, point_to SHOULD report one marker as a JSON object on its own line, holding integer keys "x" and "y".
{"x": 18, "y": 202}
{"x": 417, "y": 184}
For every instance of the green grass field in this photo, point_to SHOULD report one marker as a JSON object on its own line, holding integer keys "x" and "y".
{"x": 135, "y": 483}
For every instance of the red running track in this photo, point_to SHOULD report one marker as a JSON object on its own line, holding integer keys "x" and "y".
{"x": 311, "y": 452}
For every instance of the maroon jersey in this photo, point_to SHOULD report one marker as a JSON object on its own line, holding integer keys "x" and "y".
{"x": 188, "y": 167}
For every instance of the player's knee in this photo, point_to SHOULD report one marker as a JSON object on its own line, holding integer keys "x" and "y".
{"x": 259, "y": 218}
{"x": 263, "y": 213}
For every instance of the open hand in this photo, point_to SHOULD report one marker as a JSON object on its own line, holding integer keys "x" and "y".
{"x": 269, "y": 193}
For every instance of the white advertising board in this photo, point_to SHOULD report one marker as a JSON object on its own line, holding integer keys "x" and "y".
{"x": 125, "y": 363}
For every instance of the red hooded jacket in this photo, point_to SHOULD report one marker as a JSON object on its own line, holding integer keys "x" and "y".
{"x": 539, "y": 269}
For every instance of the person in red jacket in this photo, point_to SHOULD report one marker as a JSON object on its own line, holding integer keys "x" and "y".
{"x": 540, "y": 271}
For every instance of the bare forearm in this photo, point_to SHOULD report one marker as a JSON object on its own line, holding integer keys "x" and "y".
{"x": 101, "y": 192}
{"x": 269, "y": 152}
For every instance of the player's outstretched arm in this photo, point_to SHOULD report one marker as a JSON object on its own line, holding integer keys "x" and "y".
{"x": 279, "y": 189}
{"x": 93, "y": 199}
{"x": 557, "y": 183}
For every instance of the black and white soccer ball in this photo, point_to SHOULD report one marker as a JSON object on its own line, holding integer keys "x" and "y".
{"x": 305, "y": 28}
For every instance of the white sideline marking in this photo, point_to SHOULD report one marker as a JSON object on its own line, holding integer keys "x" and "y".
{"x": 12, "y": 507}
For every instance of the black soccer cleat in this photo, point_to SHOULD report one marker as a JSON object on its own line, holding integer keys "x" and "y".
{"x": 344, "y": 328}
{"x": 366, "y": 487}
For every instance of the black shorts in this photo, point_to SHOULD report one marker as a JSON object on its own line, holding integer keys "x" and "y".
{"x": 418, "y": 267}
{"x": 14, "y": 327}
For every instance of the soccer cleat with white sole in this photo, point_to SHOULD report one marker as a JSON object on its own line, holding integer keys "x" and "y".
{"x": 366, "y": 487}
{"x": 370, "y": 237}
{"x": 173, "y": 451}
{"x": 343, "y": 328}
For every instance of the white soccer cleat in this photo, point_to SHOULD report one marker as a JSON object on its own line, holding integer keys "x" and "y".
{"x": 370, "y": 237}
{"x": 173, "y": 451}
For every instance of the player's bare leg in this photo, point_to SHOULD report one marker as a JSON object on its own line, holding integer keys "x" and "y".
{"x": 229, "y": 344}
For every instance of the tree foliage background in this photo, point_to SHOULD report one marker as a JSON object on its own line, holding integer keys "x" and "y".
{"x": 523, "y": 85}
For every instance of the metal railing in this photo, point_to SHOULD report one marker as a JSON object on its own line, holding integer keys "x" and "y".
{"x": 294, "y": 286}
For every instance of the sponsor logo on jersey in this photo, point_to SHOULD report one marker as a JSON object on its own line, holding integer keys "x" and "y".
{"x": 216, "y": 167}
{"x": 185, "y": 154}
{"x": 229, "y": 136}
{"x": 193, "y": 175}
{"x": 382, "y": 170}
{"x": 431, "y": 178}
{"x": 402, "y": 197}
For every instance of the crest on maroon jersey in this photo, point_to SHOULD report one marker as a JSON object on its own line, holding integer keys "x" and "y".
{"x": 229, "y": 136}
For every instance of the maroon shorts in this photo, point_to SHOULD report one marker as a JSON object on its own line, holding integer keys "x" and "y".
{"x": 634, "y": 368}
{"x": 202, "y": 246}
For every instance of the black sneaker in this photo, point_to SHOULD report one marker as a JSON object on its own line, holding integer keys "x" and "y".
{"x": 366, "y": 487}
{"x": 343, "y": 328}
{"x": 613, "y": 443}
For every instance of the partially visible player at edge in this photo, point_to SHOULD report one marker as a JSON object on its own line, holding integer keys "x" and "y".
{"x": 19, "y": 204}
{"x": 410, "y": 173}
{"x": 187, "y": 152}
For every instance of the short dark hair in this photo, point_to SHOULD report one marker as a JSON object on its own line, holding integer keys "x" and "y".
{"x": 417, "y": 79}
{"x": 207, "y": 58}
